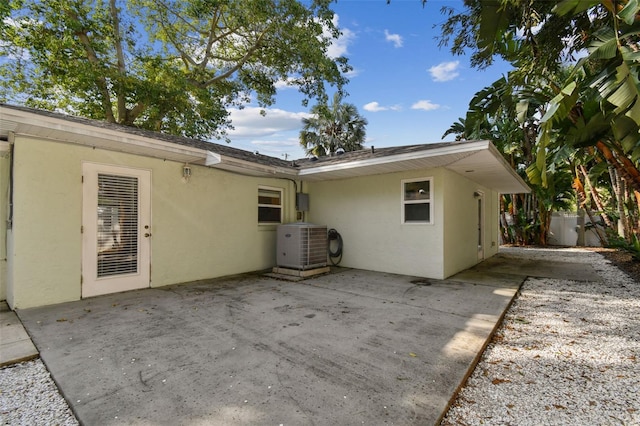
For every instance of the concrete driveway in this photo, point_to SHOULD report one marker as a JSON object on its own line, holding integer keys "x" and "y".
{"x": 351, "y": 347}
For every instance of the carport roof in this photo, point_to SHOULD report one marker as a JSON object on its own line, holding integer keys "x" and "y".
{"x": 479, "y": 161}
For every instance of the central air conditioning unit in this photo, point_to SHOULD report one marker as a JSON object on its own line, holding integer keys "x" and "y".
{"x": 302, "y": 246}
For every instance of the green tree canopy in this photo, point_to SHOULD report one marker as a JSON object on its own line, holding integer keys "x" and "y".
{"x": 332, "y": 127}
{"x": 568, "y": 118}
{"x": 171, "y": 66}
{"x": 538, "y": 37}
{"x": 529, "y": 34}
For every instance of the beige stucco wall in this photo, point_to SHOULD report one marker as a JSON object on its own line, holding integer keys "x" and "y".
{"x": 460, "y": 223}
{"x": 208, "y": 227}
{"x": 366, "y": 212}
{"x": 201, "y": 229}
{"x": 44, "y": 262}
{"x": 4, "y": 209}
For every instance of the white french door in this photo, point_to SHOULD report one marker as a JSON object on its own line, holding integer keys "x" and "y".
{"x": 116, "y": 229}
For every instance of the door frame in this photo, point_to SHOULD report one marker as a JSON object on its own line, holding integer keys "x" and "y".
{"x": 92, "y": 285}
{"x": 480, "y": 209}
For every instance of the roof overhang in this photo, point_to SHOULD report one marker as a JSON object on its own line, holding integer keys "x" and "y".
{"x": 478, "y": 161}
{"x": 27, "y": 123}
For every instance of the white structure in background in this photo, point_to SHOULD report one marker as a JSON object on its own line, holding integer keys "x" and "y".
{"x": 567, "y": 230}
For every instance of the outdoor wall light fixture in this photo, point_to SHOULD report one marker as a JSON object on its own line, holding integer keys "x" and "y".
{"x": 186, "y": 172}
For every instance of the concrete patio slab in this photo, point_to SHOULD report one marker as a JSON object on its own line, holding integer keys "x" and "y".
{"x": 350, "y": 347}
{"x": 15, "y": 344}
{"x": 503, "y": 263}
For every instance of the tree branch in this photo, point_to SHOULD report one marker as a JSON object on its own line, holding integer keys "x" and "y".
{"x": 123, "y": 116}
{"x": 212, "y": 31}
{"x": 135, "y": 112}
{"x": 240, "y": 63}
{"x": 101, "y": 82}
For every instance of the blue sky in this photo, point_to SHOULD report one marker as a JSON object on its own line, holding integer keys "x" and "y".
{"x": 408, "y": 88}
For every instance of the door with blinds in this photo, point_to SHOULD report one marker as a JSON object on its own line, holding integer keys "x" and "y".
{"x": 116, "y": 229}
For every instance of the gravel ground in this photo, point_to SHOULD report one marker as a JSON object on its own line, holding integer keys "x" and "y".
{"x": 28, "y": 396}
{"x": 566, "y": 353}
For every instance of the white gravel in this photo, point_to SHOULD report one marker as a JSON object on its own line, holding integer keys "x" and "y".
{"x": 566, "y": 354}
{"x": 29, "y": 396}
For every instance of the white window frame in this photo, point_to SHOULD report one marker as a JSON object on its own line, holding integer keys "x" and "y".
{"x": 274, "y": 189}
{"x": 428, "y": 201}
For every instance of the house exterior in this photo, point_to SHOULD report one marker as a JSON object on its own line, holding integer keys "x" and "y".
{"x": 92, "y": 208}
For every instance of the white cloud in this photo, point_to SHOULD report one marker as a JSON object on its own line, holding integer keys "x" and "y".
{"x": 353, "y": 73}
{"x": 287, "y": 148}
{"x": 376, "y": 107}
{"x": 339, "y": 46}
{"x": 278, "y": 147}
{"x": 425, "y": 105}
{"x": 267, "y": 143}
{"x": 275, "y": 133}
{"x": 396, "y": 39}
{"x": 284, "y": 84}
{"x": 445, "y": 71}
{"x": 248, "y": 122}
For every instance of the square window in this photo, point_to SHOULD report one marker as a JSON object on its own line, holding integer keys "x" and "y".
{"x": 269, "y": 205}
{"x": 417, "y": 212}
{"x": 417, "y": 190}
{"x": 416, "y": 201}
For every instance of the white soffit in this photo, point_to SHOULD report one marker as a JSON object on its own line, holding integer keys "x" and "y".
{"x": 489, "y": 169}
{"x": 427, "y": 158}
{"x": 478, "y": 161}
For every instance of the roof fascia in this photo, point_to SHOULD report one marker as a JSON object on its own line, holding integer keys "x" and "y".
{"x": 46, "y": 122}
{"x": 455, "y": 149}
{"x": 237, "y": 165}
{"x": 158, "y": 147}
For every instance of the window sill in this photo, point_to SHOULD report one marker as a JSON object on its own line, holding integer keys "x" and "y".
{"x": 268, "y": 226}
